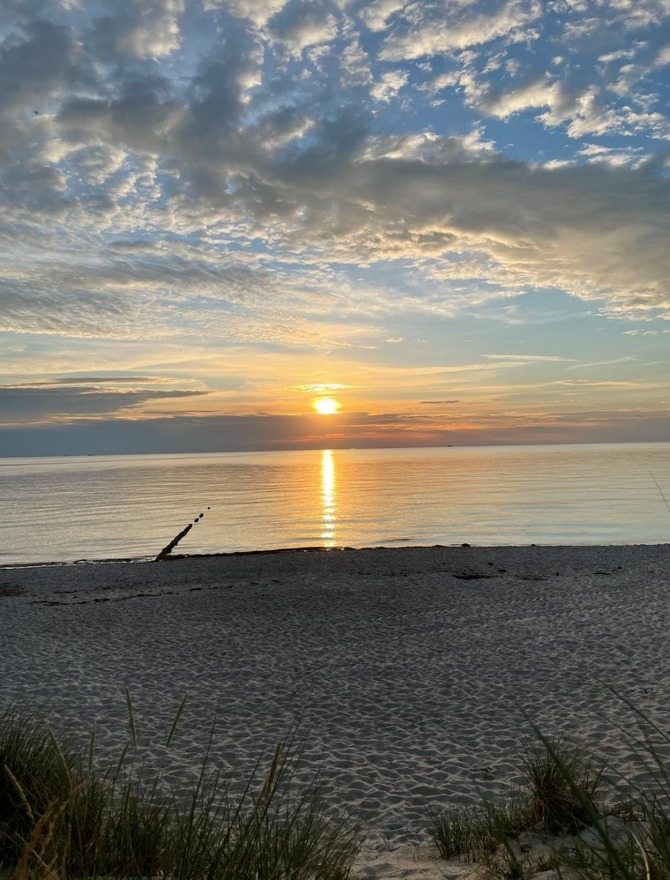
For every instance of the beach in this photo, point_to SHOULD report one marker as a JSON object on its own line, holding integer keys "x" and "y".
{"x": 409, "y": 678}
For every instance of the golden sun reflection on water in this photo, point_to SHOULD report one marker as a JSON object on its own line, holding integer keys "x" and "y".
{"x": 328, "y": 501}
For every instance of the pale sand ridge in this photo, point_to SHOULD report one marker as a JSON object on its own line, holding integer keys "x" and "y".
{"x": 413, "y": 672}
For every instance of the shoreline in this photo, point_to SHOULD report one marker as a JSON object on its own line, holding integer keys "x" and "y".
{"x": 413, "y": 672}
{"x": 171, "y": 557}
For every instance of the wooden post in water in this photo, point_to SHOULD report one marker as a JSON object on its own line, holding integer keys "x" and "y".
{"x": 173, "y": 543}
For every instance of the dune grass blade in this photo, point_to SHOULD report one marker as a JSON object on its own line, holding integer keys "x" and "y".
{"x": 91, "y": 749}
{"x": 131, "y": 717}
{"x": 662, "y": 493}
{"x": 175, "y": 722}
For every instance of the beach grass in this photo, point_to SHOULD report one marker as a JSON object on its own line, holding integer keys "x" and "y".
{"x": 557, "y": 798}
{"x": 474, "y": 832}
{"x": 61, "y": 817}
{"x": 564, "y": 810}
{"x": 562, "y": 786}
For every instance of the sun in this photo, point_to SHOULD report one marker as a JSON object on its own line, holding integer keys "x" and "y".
{"x": 326, "y": 406}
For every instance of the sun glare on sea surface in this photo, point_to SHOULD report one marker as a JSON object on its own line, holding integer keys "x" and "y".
{"x": 326, "y": 406}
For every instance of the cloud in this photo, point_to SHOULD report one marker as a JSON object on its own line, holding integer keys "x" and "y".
{"x": 435, "y": 28}
{"x": 96, "y": 380}
{"x": 346, "y": 195}
{"x": 429, "y": 148}
{"x": 364, "y": 430}
{"x": 540, "y": 92}
{"x": 596, "y": 383}
{"x": 530, "y": 358}
{"x": 634, "y": 14}
{"x": 591, "y": 86}
{"x": 26, "y": 403}
{"x": 139, "y": 28}
{"x": 76, "y": 314}
{"x": 639, "y": 332}
{"x": 376, "y": 15}
{"x": 615, "y": 157}
{"x": 40, "y": 59}
{"x": 322, "y": 387}
{"x": 258, "y": 11}
{"x": 390, "y": 84}
{"x": 599, "y": 232}
{"x": 594, "y": 118}
{"x": 303, "y": 24}
{"x": 605, "y": 363}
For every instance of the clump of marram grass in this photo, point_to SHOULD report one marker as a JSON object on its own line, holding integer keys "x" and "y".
{"x": 457, "y": 832}
{"x": 561, "y": 786}
{"x": 61, "y": 818}
{"x": 627, "y": 841}
{"x": 474, "y": 832}
{"x": 558, "y": 798}
{"x": 643, "y": 851}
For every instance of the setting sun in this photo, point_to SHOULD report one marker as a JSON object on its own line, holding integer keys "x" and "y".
{"x": 326, "y": 406}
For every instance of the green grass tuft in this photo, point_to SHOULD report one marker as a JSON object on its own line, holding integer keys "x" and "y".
{"x": 628, "y": 841}
{"x": 558, "y": 798}
{"x": 474, "y": 832}
{"x": 562, "y": 786}
{"x": 60, "y": 818}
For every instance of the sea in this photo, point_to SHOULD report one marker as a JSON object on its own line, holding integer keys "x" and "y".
{"x": 71, "y": 509}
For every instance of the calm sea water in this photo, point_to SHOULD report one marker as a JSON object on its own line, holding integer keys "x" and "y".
{"x": 108, "y": 507}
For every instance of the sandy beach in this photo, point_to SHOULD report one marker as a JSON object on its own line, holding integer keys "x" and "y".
{"x": 413, "y": 675}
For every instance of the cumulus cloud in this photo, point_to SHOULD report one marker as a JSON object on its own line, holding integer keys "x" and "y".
{"x": 40, "y": 60}
{"x": 432, "y": 29}
{"x": 538, "y": 93}
{"x": 616, "y": 157}
{"x": 390, "y": 84}
{"x": 376, "y": 15}
{"x": 139, "y": 28}
{"x": 304, "y": 24}
{"x": 592, "y": 86}
{"x": 257, "y": 11}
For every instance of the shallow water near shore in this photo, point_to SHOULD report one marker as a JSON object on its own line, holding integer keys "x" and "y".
{"x": 131, "y": 506}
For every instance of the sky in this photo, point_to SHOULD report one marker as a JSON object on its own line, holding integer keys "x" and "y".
{"x": 450, "y": 218}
